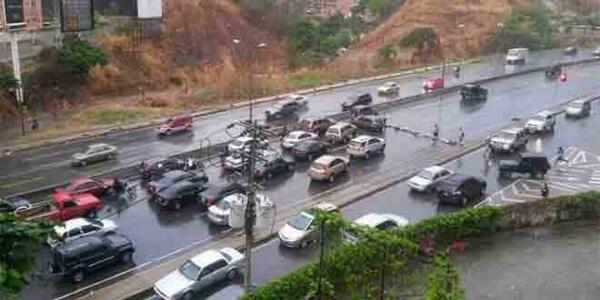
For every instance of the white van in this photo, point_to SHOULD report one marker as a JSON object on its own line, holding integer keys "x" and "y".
{"x": 517, "y": 55}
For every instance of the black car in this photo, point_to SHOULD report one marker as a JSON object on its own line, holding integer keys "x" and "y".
{"x": 460, "y": 189}
{"x": 553, "y": 72}
{"x": 81, "y": 256}
{"x": 362, "y": 99}
{"x": 534, "y": 164}
{"x": 269, "y": 168}
{"x": 370, "y": 123}
{"x": 215, "y": 193}
{"x": 180, "y": 193}
{"x": 571, "y": 50}
{"x": 308, "y": 150}
{"x": 173, "y": 177}
{"x": 284, "y": 109}
{"x": 154, "y": 169}
{"x": 12, "y": 206}
{"x": 475, "y": 92}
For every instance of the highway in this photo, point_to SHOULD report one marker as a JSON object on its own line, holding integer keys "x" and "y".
{"x": 521, "y": 96}
{"x": 48, "y": 165}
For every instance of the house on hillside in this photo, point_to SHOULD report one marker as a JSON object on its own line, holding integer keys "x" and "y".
{"x": 327, "y": 8}
{"x": 15, "y": 14}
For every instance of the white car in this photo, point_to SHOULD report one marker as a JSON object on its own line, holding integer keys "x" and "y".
{"x": 327, "y": 167}
{"x": 80, "y": 227}
{"x": 234, "y": 162}
{"x": 508, "y": 140}
{"x": 517, "y": 55}
{"x": 200, "y": 272}
{"x": 373, "y": 220}
{"x": 579, "y": 108}
{"x": 389, "y": 88}
{"x": 365, "y": 146}
{"x": 296, "y": 137}
{"x": 541, "y": 122}
{"x": 219, "y": 212}
{"x": 243, "y": 144}
{"x": 428, "y": 178}
{"x": 301, "y": 230}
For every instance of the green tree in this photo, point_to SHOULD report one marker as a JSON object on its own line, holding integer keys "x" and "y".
{"x": 79, "y": 56}
{"x": 529, "y": 27}
{"x": 444, "y": 282}
{"x": 19, "y": 242}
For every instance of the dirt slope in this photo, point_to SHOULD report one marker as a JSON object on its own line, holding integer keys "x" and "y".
{"x": 445, "y": 16}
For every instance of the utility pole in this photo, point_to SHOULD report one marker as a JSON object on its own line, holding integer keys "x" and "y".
{"x": 321, "y": 258}
{"x": 250, "y": 214}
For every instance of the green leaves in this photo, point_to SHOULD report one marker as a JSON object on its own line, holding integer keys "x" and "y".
{"x": 444, "y": 281}
{"x": 19, "y": 242}
{"x": 79, "y": 56}
{"x": 529, "y": 27}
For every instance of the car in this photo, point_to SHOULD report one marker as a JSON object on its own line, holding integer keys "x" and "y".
{"x": 341, "y": 132}
{"x": 365, "y": 146}
{"x": 388, "y": 88}
{"x": 62, "y": 206}
{"x": 508, "y": 140}
{"x": 155, "y": 168}
{"x": 15, "y": 205}
{"x": 553, "y": 72}
{"x": 180, "y": 193}
{"x": 80, "y": 227}
{"x": 295, "y": 137}
{"x": 88, "y": 185}
{"x": 571, "y": 50}
{"x": 219, "y": 212}
{"x": 370, "y": 123}
{"x": 516, "y": 56}
{"x": 79, "y": 257}
{"x": 534, "y": 164}
{"x": 473, "y": 92}
{"x": 542, "y": 122}
{"x": 94, "y": 153}
{"x": 234, "y": 162}
{"x": 327, "y": 167}
{"x": 596, "y": 52}
{"x": 177, "y": 124}
{"x": 301, "y": 230}
{"x": 286, "y": 107}
{"x": 215, "y": 193}
{"x": 358, "y": 99}
{"x": 200, "y": 272}
{"x": 243, "y": 144}
{"x": 268, "y": 168}
{"x": 308, "y": 150}
{"x": 460, "y": 189}
{"x": 579, "y": 108}
{"x": 372, "y": 220}
{"x": 433, "y": 84}
{"x": 315, "y": 125}
{"x": 428, "y": 179}
{"x": 173, "y": 177}
{"x": 363, "y": 110}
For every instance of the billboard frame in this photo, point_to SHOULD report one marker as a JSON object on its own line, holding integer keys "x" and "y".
{"x": 62, "y": 19}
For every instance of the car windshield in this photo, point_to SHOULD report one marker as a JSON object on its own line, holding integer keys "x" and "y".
{"x": 513, "y": 51}
{"x": 426, "y": 174}
{"x": 356, "y": 144}
{"x": 277, "y": 105}
{"x": 295, "y": 135}
{"x": 538, "y": 118}
{"x": 303, "y": 146}
{"x": 237, "y": 143}
{"x": 506, "y": 136}
{"x": 332, "y": 130}
{"x": 190, "y": 270}
{"x": 318, "y": 167}
{"x": 576, "y": 105}
{"x": 94, "y": 222}
{"x": 300, "y": 222}
{"x": 223, "y": 205}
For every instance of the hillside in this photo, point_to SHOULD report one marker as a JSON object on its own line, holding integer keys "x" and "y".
{"x": 444, "y": 16}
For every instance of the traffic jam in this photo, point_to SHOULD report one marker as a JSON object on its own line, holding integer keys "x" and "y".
{"x": 326, "y": 147}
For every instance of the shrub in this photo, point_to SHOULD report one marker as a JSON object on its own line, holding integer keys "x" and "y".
{"x": 444, "y": 281}
{"x": 529, "y": 27}
{"x": 418, "y": 37}
{"x": 79, "y": 56}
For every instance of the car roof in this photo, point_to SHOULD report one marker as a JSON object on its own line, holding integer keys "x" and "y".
{"x": 79, "y": 181}
{"x": 326, "y": 159}
{"x": 206, "y": 258}
{"x": 435, "y": 169}
{"x": 175, "y": 173}
{"x": 362, "y": 138}
{"x": 75, "y": 246}
{"x": 339, "y": 125}
{"x": 297, "y": 132}
{"x": 583, "y": 100}
{"x": 99, "y": 145}
{"x": 374, "y": 219}
{"x": 244, "y": 138}
{"x": 544, "y": 113}
{"x": 513, "y": 130}
{"x": 324, "y": 206}
{"x": 74, "y": 223}
{"x": 534, "y": 155}
{"x": 456, "y": 178}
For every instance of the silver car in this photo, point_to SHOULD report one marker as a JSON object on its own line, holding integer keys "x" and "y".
{"x": 372, "y": 220}
{"x": 200, "y": 272}
{"x": 327, "y": 167}
{"x": 95, "y": 153}
{"x": 300, "y": 230}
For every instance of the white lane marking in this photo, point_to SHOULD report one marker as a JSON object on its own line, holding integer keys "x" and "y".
{"x": 513, "y": 200}
{"x": 565, "y": 186}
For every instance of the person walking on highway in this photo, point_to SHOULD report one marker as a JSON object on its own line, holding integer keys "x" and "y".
{"x": 436, "y": 132}
{"x": 560, "y": 155}
{"x": 461, "y": 137}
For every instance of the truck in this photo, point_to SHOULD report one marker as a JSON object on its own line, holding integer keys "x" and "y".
{"x": 534, "y": 164}
{"x": 62, "y": 207}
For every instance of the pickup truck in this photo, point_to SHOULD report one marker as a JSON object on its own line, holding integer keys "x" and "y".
{"x": 88, "y": 186}
{"x": 63, "y": 206}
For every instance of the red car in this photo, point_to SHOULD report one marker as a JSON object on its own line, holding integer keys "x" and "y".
{"x": 433, "y": 84}
{"x": 177, "y": 124}
{"x": 87, "y": 186}
{"x": 62, "y": 207}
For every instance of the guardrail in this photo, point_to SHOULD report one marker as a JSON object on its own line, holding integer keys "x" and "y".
{"x": 131, "y": 171}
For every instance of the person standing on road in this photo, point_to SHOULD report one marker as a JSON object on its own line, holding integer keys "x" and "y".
{"x": 436, "y": 132}
{"x": 560, "y": 155}
{"x": 461, "y": 137}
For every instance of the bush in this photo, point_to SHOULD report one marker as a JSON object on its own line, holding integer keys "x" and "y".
{"x": 79, "y": 56}
{"x": 444, "y": 281}
{"x": 418, "y": 37}
{"x": 529, "y": 27}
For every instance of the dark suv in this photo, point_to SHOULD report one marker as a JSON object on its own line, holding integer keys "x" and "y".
{"x": 460, "y": 189}
{"x": 215, "y": 193}
{"x": 180, "y": 193}
{"x": 534, "y": 164}
{"x": 173, "y": 177}
{"x": 154, "y": 169}
{"x": 78, "y": 257}
{"x": 370, "y": 123}
{"x": 362, "y": 99}
{"x": 268, "y": 168}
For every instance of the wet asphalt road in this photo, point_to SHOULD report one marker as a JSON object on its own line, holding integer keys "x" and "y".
{"x": 30, "y": 169}
{"x": 157, "y": 233}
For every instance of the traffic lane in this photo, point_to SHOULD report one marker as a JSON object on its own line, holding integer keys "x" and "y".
{"x": 208, "y": 131}
{"x": 515, "y": 97}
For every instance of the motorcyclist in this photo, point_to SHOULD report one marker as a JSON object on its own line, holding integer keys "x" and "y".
{"x": 118, "y": 186}
{"x": 545, "y": 190}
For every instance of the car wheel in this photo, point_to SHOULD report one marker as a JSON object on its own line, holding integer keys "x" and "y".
{"x": 78, "y": 276}
{"x": 168, "y": 132}
{"x": 232, "y": 274}
{"x": 127, "y": 257}
{"x": 92, "y": 214}
{"x": 331, "y": 178}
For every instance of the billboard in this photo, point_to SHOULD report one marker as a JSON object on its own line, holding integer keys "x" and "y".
{"x": 149, "y": 9}
{"x": 77, "y": 15}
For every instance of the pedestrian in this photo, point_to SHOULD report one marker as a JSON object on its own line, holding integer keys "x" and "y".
{"x": 436, "y": 132}
{"x": 35, "y": 125}
{"x": 545, "y": 190}
{"x": 461, "y": 137}
{"x": 560, "y": 155}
